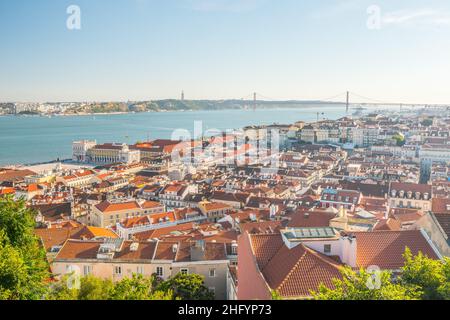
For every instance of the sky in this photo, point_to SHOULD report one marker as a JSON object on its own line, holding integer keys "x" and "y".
{"x": 385, "y": 50}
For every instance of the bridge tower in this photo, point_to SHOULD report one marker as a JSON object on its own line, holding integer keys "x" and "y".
{"x": 347, "y": 104}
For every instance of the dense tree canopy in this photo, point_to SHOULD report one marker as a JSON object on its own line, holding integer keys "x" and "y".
{"x": 23, "y": 266}
{"x": 427, "y": 122}
{"x": 431, "y": 277}
{"x": 364, "y": 285}
{"x": 187, "y": 287}
{"x": 180, "y": 287}
{"x": 420, "y": 278}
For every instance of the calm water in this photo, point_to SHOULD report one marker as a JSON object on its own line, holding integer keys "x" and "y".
{"x": 27, "y": 140}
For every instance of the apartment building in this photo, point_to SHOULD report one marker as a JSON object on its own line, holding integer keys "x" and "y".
{"x": 109, "y": 213}
{"x": 117, "y": 259}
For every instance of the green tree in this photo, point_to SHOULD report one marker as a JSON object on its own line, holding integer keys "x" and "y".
{"x": 275, "y": 295}
{"x": 364, "y": 285}
{"x": 24, "y": 269}
{"x": 60, "y": 291}
{"x": 400, "y": 139}
{"x": 187, "y": 287}
{"x": 92, "y": 288}
{"x": 431, "y": 277}
{"x": 427, "y": 122}
{"x": 138, "y": 288}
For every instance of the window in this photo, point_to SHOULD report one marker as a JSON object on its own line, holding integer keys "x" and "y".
{"x": 213, "y": 290}
{"x": 118, "y": 270}
{"x": 212, "y": 272}
{"x": 140, "y": 270}
{"x": 159, "y": 271}
{"x": 184, "y": 271}
{"x": 327, "y": 248}
{"x": 87, "y": 270}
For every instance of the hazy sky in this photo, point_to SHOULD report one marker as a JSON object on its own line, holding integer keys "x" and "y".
{"x": 283, "y": 49}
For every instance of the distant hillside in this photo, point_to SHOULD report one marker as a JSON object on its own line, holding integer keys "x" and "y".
{"x": 178, "y": 105}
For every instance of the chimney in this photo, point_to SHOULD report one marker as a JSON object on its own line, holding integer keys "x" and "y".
{"x": 348, "y": 250}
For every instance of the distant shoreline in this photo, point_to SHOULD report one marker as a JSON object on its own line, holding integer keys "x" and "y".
{"x": 43, "y": 115}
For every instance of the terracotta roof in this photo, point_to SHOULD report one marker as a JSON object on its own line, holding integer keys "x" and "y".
{"x": 233, "y": 197}
{"x": 311, "y": 219}
{"x": 97, "y": 232}
{"x": 106, "y": 206}
{"x": 147, "y": 250}
{"x": 269, "y": 227}
{"x": 441, "y": 205}
{"x": 414, "y": 187}
{"x": 292, "y": 272}
{"x": 173, "y": 188}
{"x": 15, "y": 175}
{"x": 7, "y": 190}
{"x": 223, "y": 237}
{"x": 264, "y": 247}
{"x": 211, "y": 206}
{"x": 158, "y": 233}
{"x": 444, "y": 222}
{"x": 212, "y": 251}
{"x": 54, "y": 211}
{"x": 406, "y": 215}
{"x": 388, "y": 225}
{"x": 385, "y": 249}
{"x": 164, "y": 250}
{"x": 55, "y": 236}
{"x": 79, "y": 249}
{"x": 144, "y": 251}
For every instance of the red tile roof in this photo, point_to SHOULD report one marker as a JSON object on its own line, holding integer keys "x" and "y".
{"x": 388, "y": 225}
{"x": 444, "y": 222}
{"x": 441, "y": 205}
{"x": 293, "y": 273}
{"x": 413, "y": 187}
{"x": 106, "y": 206}
{"x": 310, "y": 219}
{"x": 385, "y": 249}
{"x": 15, "y": 175}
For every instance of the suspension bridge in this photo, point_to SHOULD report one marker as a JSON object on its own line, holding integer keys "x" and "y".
{"x": 349, "y": 99}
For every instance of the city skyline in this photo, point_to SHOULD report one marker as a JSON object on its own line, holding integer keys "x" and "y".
{"x": 218, "y": 49}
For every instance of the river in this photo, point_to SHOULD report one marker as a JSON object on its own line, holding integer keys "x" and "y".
{"x": 25, "y": 140}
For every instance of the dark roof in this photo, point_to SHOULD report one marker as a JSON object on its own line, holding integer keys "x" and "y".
{"x": 444, "y": 221}
{"x": 54, "y": 211}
